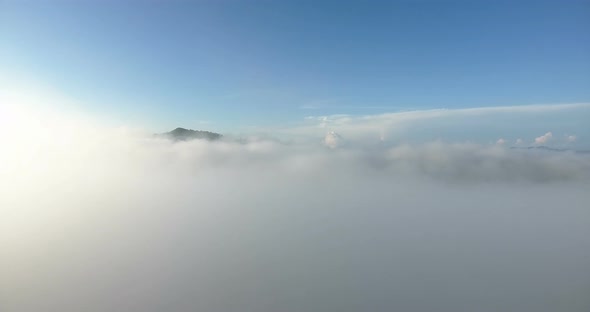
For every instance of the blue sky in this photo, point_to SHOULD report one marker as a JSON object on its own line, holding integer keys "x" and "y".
{"x": 228, "y": 64}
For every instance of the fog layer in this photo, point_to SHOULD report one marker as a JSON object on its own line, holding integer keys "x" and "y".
{"x": 113, "y": 221}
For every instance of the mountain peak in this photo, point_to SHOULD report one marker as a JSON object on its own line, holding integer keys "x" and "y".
{"x": 182, "y": 134}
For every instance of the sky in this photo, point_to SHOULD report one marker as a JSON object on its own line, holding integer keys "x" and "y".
{"x": 229, "y": 65}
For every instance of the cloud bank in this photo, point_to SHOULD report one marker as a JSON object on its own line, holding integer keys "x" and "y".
{"x": 96, "y": 219}
{"x": 483, "y": 124}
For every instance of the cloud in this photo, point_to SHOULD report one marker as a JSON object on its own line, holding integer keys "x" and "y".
{"x": 518, "y": 141}
{"x": 439, "y": 113}
{"x": 571, "y": 138}
{"x": 407, "y": 125}
{"x": 500, "y": 141}
{"x": 94, "y": 218}
{"x": 332, "y": 139}
{"x": 544, "y": 138}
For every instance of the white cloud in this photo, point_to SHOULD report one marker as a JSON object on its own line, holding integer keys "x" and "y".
{"x": 438, "y": 113}
{"x": 332, "y": 139}
{"x": 118, "y": 222}
{"x": 518, "y": 142}
{"x": 571, "y": 138}
{"x": 402, "y": 125}
{"x": 101, "y": 219}
{"x": 500, "y": 141}
{"x": 544, "y": 138}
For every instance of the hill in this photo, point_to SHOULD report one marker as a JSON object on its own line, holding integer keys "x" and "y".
{"x": 181, "y": 134}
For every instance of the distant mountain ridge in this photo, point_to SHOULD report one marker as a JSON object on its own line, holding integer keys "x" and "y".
{"x": 550, "y": 149}
{"x": 182, "y": 134}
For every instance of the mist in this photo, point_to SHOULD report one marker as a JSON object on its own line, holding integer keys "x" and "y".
{"x": 103, "y": 219}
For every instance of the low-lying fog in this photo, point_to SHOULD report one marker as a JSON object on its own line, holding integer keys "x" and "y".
{"x": 121, "y": 222}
